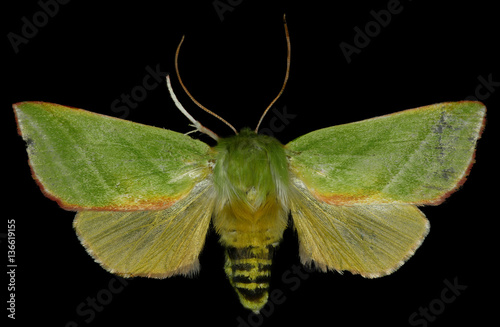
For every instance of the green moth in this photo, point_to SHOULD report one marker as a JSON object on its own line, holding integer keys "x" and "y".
{"x": 145, "y": 196}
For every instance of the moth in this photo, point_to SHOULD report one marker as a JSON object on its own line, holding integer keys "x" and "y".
{"x": 146, "y": 196}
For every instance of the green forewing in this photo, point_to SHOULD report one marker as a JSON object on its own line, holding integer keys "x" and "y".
{"x": 86, "y": 160}
{"x": 416, "y": 156}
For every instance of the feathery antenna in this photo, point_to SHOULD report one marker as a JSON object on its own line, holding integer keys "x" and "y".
{"x": 196, "y": 123}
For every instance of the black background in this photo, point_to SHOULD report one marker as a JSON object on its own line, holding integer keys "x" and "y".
{"x": 91, "y": 52}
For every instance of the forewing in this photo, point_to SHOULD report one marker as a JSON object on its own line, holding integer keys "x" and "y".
{"x": 417, "y": 156}
{"x": 149, "y": 243}
{"x": 85, "y": 160}
{"x": 371, "y": 240}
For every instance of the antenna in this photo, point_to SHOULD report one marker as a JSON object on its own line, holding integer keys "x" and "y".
{"x": 286, "y": 74}
{"x": 196, "y": 123}
{"x": 189, "y": 94}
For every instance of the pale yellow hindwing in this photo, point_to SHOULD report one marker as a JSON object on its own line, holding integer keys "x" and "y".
{"x": 150, "y": 243}
{"x": 372, "y": 240}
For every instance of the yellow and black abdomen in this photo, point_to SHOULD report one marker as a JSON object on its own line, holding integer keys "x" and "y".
{"x": 250, "y": 246}
{"x": 249, "y": 271}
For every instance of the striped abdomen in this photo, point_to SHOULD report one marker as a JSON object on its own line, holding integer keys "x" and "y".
{"x": 249, "y": 271}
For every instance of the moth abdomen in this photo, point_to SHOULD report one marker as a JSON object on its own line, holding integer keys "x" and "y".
{"x": 249, "y": 271}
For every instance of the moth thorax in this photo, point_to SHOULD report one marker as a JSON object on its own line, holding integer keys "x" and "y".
{"x": 249, "y": 271}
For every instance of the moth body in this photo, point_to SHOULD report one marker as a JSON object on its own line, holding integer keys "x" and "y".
{"x": 145, "y": 196}
{"x": 251, "y": 211}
